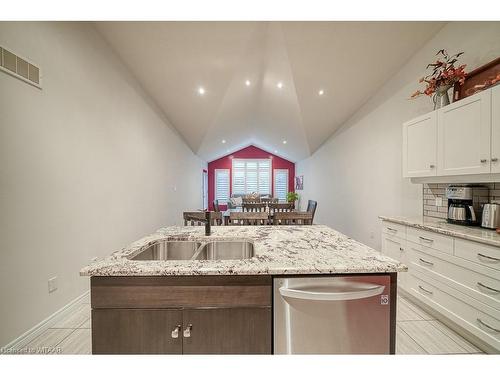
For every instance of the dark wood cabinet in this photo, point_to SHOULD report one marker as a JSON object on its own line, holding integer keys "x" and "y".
{"x": 227, "y": 331}
{"x": 136, "y": 331}
{"x": 215, "y": 315}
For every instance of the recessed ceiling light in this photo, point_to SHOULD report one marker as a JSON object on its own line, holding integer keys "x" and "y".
{"x": 279, "y": 85}
{"x": 223, "y": 141}
{"x": 284, "y": 141}
{"x": 247, "y": 82}
{"x": 321, "y": 92}
{"x": 201, "y": 90}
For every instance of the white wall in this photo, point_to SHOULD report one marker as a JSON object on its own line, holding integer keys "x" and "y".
{"x": 356, "y": 175}
{"x": 87, "y": 165}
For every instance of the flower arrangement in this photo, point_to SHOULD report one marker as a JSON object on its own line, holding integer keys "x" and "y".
{"x": 444, "y": 74}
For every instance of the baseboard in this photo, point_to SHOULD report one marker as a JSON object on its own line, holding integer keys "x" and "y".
{"x": 449, "y": 323}
{"x": 34, "y": 332}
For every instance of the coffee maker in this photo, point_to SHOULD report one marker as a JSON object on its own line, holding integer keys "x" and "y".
{"x": 465, "y": 204}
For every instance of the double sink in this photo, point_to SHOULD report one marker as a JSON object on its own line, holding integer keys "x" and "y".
{"x": 196, "y": 250}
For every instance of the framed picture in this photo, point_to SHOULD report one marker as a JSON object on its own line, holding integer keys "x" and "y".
{"x": 299, "y": 182}
{"x": 479, "y": 79}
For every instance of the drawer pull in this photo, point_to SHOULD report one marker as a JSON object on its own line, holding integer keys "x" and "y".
{"x": 488, "y": 326}
{"x": 392, "y": 229}
{"x": 488, "y": 257}
{"x": 426, "y": 262}
{"x": 401, "y": 249}
{"x": 488, "y": 287}
{"x": 425, "y": 290}
{"x": 187, "y": 331}
{"x": 175, "y": 332}
{"x": 425, "y": 239}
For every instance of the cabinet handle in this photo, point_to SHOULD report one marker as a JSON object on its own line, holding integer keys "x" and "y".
{"x": 401, "y": 249}
{"x": 488, "y": 326}
{"x": 488, "y": 287}
{"x": 425, "y": 290}
{"x": 392, "y": 229}
{"x": 494, "y": 160}
{"x": 488, "y": 257}
{"x": 175, "y": 332}
{"x": 187, "y": 331}
{"x": 425, "y": 239}
{"x": 432, "y": 166}
{"x": 426, "y": 262}
{"x": 483, "y": 160}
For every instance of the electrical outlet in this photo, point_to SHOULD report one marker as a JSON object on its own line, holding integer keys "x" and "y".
{"x": 439, "y": 202}
{"x": 53, "y": 284}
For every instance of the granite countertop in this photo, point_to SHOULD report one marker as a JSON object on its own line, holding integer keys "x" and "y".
{"x": 478, "y": 234}
{"x": 309, "y": 249}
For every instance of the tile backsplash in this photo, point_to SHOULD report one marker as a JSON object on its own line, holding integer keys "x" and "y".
{"x": 433, "y": 191}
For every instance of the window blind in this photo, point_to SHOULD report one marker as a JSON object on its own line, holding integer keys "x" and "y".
{"x": 251, "y": 176}
{"x": 222, "y": 185}
{"x": 281, "y": 184}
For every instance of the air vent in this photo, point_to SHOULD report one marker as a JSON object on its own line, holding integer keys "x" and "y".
{"x": 18, "y": 67}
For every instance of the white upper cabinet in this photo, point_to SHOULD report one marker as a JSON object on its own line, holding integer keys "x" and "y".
{"x": 464, "y": 136}
{"x": 495, "y": 129}
{"x": 420, "y": 146}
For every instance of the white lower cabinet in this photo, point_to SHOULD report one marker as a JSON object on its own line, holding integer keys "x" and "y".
{"x": 394, "y": 247}
{"x": 448, "y": 275}
{"x": 478, "y": 318}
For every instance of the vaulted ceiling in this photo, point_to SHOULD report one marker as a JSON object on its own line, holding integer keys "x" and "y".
{"x": 262, "y": 80}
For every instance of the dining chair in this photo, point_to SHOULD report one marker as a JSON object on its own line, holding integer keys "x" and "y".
{"x": 190, "y": 218}
{"x": 281, "y": 207}
{"x": 292, "y": 218}
{"x": 269, "y": 200}
{"x": 216, "y": 205}
{"x": 248, "y": 218}
{"x": 254, "y": 207}
{"x": 311, "y": 207}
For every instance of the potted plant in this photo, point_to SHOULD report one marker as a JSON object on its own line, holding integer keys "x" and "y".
{"x": 292, "y": 196}
{"x": 443, "y": 76}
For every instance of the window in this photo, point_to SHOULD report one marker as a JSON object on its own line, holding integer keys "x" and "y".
{"x": 251, "y": 176}
{"x": 222, "y": 185}
{"x": 280, "y": 184}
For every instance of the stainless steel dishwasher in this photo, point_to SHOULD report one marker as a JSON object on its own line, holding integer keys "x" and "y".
{"x": 332, "y": 315}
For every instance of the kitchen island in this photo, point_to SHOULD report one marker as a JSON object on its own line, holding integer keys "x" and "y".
{"x": 145, "y": 305}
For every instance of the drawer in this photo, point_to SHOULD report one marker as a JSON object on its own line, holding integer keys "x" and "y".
{"x": 393, "y": 229}
{"x": 430, "y": 239}
{"x": 180, "y": 291}
{"x": 478, "y": 253}
{"x": 472, "y": 315}
{"x": 474, "y": 280}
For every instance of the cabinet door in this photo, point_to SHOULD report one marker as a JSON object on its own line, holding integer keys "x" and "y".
{"x": 420, "y": 146}
{"x": 495, "y": 130}
{"x": 464, "y": 134}
{"x": 136, "y": 331}
{"x": 395, "y": 248}
{"x": 227, "y": 331}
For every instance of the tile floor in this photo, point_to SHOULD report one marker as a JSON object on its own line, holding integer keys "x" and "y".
{"x": 417, "y": 333}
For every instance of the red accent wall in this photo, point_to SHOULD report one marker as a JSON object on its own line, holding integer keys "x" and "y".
{"x": 250, "y": 152}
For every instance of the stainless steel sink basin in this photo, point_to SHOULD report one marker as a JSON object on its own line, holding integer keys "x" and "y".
{"x": 193, "y": 250}
{"x": 169, "y": 250}
{"x": 225, "y": 250}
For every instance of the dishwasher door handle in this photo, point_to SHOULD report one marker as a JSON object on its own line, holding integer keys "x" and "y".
{"x": 366, "y": 291}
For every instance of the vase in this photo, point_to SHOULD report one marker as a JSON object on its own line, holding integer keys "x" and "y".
{"x": 441, "y": 98}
